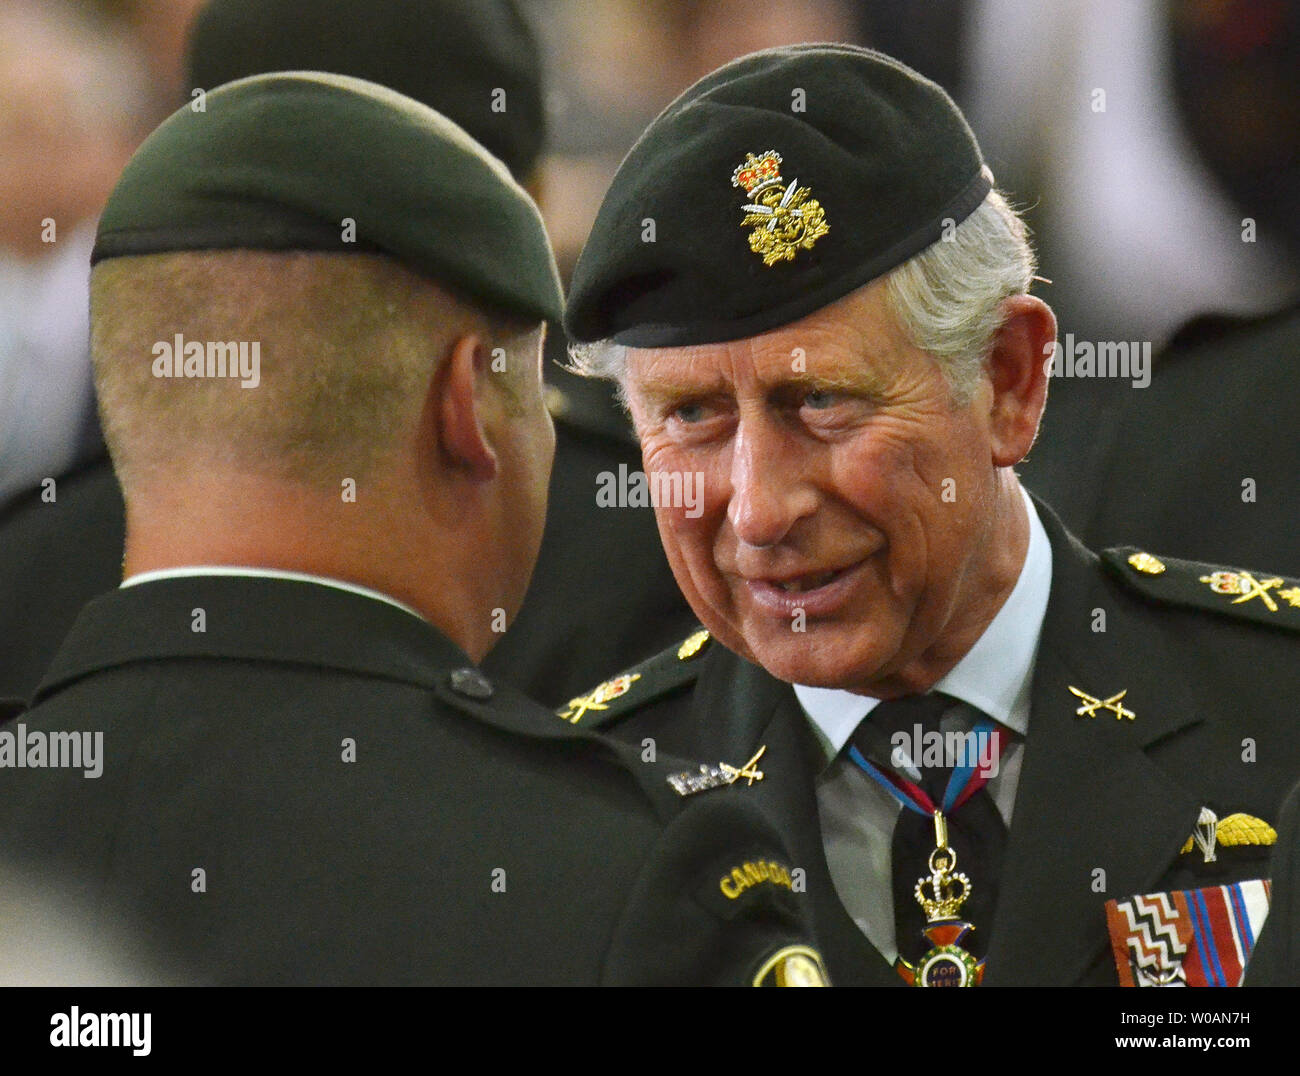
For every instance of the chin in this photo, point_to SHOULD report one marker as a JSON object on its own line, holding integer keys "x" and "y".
{"x": 826, "y": 657}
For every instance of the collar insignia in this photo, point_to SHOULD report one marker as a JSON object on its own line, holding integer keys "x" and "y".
{"x": 598, "y": 699}
{"x": 1114, "y": 704}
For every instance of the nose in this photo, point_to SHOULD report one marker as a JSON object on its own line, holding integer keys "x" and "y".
{"x": 769, "y": 490}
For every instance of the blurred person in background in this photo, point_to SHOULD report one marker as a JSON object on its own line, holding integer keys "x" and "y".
{"x": 72, "y": 108}
{"x": 1205, "y": 459}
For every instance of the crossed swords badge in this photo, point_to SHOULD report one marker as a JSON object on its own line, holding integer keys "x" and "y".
{"x": 1245, "y": 586}
{"x": 1091, "y": 705}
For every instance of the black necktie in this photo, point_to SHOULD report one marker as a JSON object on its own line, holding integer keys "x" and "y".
{"x": 976, "y": 832}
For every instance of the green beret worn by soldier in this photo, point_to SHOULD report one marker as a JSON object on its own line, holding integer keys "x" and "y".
{"x": 317, "y": 311}
{"x": 832, "y": 337}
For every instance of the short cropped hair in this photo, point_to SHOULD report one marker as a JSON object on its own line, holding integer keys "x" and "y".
{"x": 346, "y": 347}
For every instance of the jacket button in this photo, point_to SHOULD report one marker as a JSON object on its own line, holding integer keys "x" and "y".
{"x": 471, "y": 683}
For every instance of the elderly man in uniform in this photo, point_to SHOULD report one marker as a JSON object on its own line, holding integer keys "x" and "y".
{"x": 1000, "y": 757}
{"x": 317, "y": 320}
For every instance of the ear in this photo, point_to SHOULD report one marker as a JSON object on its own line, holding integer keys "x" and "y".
{"x": 461, "y": 435}
{"x": 1017, "y": 368}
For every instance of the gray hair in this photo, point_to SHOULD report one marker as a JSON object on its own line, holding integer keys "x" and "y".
{"x": 947, "y": 299}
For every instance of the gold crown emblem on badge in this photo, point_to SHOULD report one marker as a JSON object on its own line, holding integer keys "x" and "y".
{"x": 947, "y": 890}
{"x": 757, "y": 171}
{"x": 784, "y": 219}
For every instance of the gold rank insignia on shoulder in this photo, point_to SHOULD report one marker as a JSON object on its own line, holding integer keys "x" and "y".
{"x": 1243, "y": 587}
{"x": 707, "y": 777}
{"x": 785, "y": 220}
{"x": 1146, "y": 564}
{"x": 795, "y": 965}
{"x": 1091, "y": 704}
{"x": 1235, "y": 830}
{"x": 599, "y": 699}
{"x": 693, "y": 644}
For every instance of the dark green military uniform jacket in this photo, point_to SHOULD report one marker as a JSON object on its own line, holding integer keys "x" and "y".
{"x": 1212, "y": 684}
{"x": 1276, "y": 961}
{"x": 304, "y": 785}
{"x": 601, "y": 596}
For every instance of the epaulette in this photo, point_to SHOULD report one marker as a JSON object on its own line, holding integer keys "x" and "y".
{"x": 661, "y": 674}
{"x": 1251, "y": 595}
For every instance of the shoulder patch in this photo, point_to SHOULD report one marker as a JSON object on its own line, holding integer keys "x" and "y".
{"x": 661, "y": 674}
{"x": 1250, "y": 595}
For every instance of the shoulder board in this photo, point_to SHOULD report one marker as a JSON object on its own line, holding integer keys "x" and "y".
{"x": 665, "y": 672}
{"x": 1249, "y": 595}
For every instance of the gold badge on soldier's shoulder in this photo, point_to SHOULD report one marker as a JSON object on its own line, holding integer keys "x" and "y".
{"x": 598, "y": 699}
{"x": 1243, "y": 587}
{"x": 1146, "y": 564}
{"x": 693, "y": 644}
{"x": 795, "y": 965}
{"x": 784, "y": 219}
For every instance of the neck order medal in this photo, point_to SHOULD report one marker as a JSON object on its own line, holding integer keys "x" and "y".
{"x": 941, "y": 896}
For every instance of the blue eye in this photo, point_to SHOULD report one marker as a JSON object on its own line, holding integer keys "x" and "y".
{"x": 689, "y": 412}
{"x": 820, "y": 400}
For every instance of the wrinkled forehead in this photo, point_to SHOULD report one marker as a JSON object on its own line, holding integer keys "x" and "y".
{"x": 854, "y": 344}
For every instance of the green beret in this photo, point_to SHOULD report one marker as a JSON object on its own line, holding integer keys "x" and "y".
{"x": 284, "y": 161}
{"x": 772, "y": 187}
{"x": 475, "y": 61}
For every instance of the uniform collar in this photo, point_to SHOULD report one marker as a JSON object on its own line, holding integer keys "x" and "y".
{"x": 192, "y": 571}
{"x": 996, "y": 674}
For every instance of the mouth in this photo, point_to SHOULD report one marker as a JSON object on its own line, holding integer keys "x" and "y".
{"x": 814, "y": 594}
{"x": 801, "y": 584}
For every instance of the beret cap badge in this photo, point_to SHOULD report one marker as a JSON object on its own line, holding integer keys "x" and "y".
{"x": 783, "y": 217}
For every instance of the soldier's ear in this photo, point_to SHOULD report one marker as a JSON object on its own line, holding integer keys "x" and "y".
{"x": 1017, "y": 368}
{"x": 458, "y": 403}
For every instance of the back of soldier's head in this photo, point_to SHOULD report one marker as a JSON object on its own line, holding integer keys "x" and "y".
{"x": 278, "y": 272}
